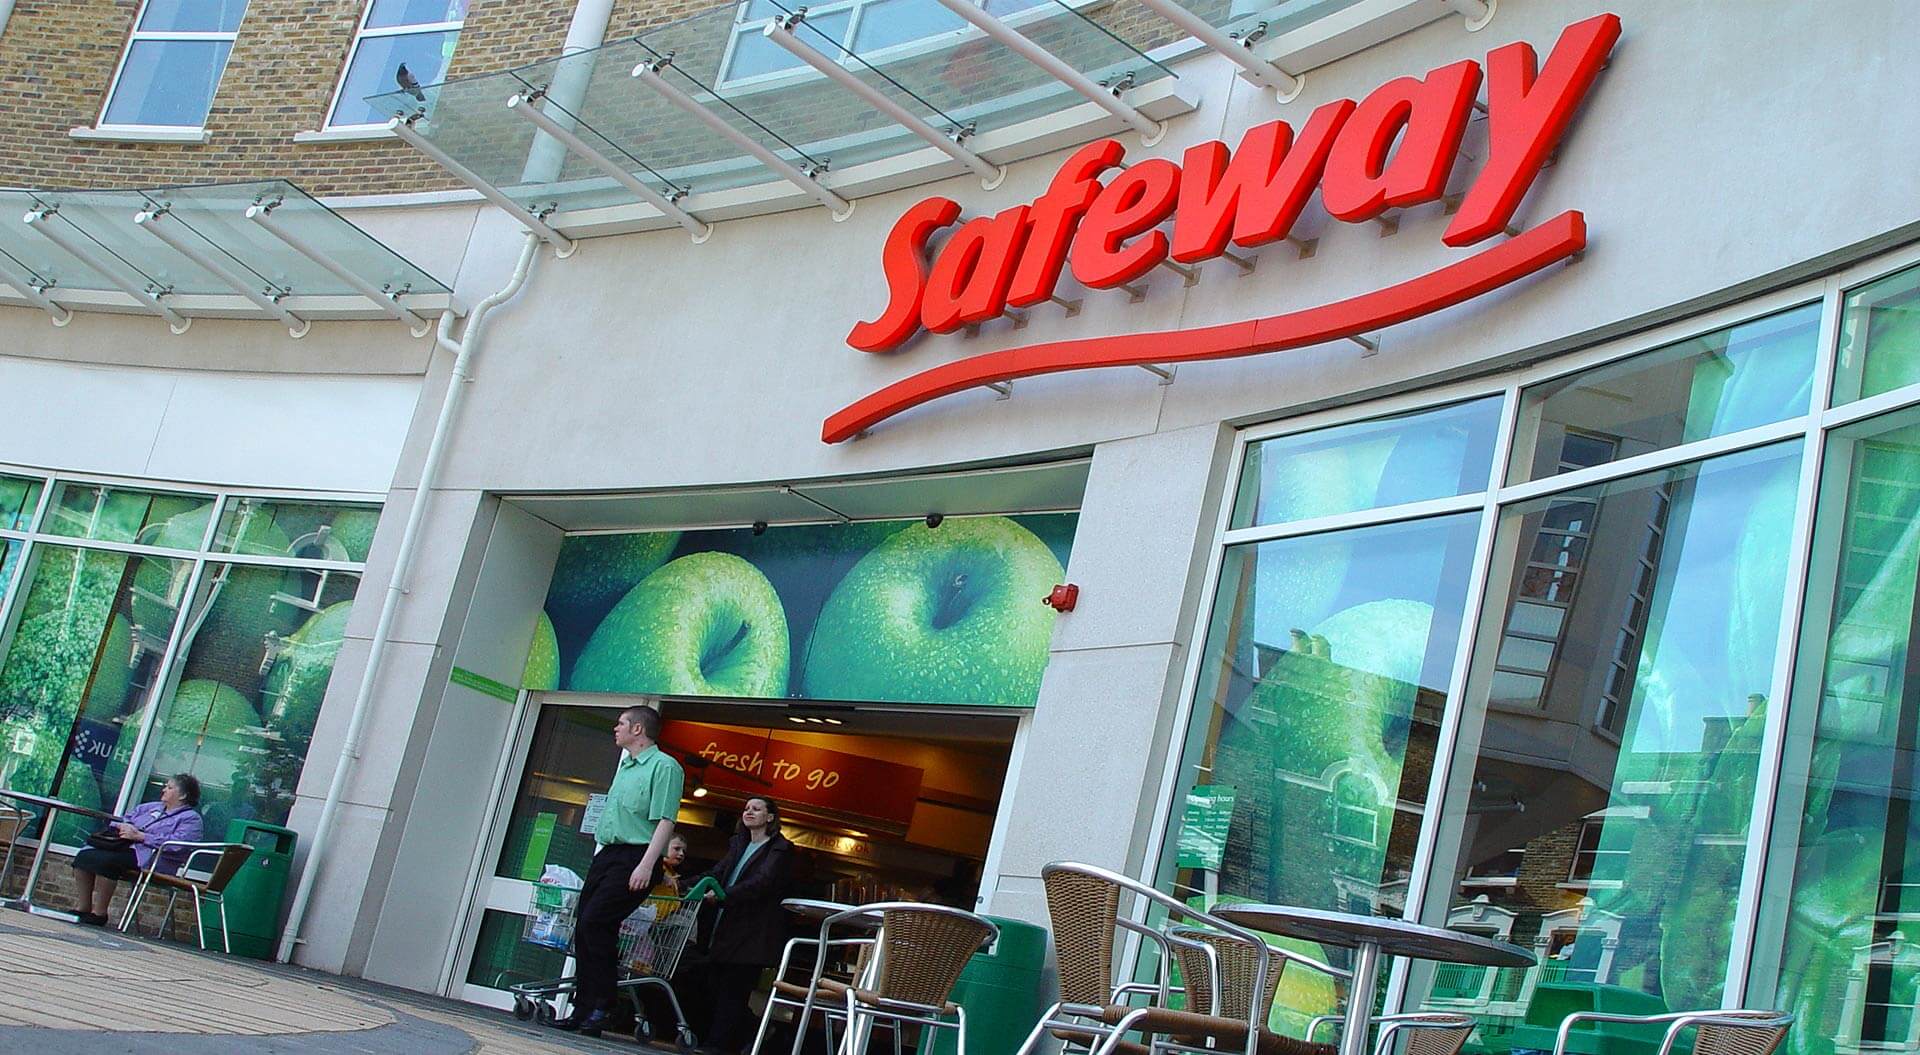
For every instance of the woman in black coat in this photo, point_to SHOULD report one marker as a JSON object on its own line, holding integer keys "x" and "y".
{"x": 750, "y": 929}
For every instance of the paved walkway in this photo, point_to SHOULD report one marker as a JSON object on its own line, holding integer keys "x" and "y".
{"x": 69, "y": 989}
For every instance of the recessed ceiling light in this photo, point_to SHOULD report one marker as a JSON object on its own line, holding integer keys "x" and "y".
{"x": 699, "y": 793}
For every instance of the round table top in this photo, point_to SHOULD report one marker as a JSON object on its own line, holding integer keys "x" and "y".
{"x": 809, "y": 910}
{"x": 1394, "y": 937}
{"x": 59, "y": 804}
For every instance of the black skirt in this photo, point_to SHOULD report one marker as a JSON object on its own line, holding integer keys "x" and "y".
{"x": 107, "y": 864}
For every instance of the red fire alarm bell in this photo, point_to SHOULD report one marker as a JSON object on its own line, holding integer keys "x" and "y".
{"x": 1063, "y": 598}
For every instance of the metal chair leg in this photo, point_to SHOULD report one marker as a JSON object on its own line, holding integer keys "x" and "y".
{"x": 173, "y": 931}
{"x": 199, "y": 920}
{"x": 227, "y": 944}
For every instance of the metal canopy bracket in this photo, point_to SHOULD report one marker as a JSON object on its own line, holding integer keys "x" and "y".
{"x": 261, "y": 213}
{"x": 780, "y": 31}
{"x": 1475, "y": 13}
{"x": 1286, "y": 86}
{"x": 36, "y": 292}
{"x": 156, "y": 222}
{"x": 648, "y": 73}
{"x": 40, "y": 220}
{"x": 403, "y": 127}
{"x": 1107, "y": 99}
{"x": 523, "y": 105}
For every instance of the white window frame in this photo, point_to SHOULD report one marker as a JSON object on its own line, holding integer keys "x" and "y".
{"x": 362, "y": 32}
{"x": 135, "y": 36}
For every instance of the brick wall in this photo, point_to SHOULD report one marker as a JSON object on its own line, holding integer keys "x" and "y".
{"x": 57, "y": 59}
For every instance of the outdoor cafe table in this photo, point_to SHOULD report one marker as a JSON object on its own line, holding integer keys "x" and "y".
{"x": 1370, "y": 937}
{"x": 52, "y": 808}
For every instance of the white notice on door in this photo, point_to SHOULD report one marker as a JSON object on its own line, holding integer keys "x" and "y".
{"x": 590, "y": 821}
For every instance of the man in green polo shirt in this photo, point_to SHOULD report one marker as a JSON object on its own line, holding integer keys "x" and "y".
{"x": 633, "y": 834}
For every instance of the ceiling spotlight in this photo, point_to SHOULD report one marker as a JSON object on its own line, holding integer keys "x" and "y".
{"x": 832, "y": 721}
{"x": 759, "y": 527}
{"x": 796, "y": 721}
{"x": 699, "y": 793}
{"x": 934, "y": 519}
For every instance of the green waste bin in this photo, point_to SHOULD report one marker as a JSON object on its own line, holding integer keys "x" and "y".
{"x": 1000, "y": 989}
{"x": 253, "y": 895}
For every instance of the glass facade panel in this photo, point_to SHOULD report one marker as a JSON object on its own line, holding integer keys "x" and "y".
{"x": 1879, "y": 338}
{"x": 83, "y": 656}
{"x": 1843, "y": 886}
{"x": 118, "y": 514}
{"x": 1629, "y": 831}
{"x": 1752, "y": 374}
{"x": 377, "y": 60}
{"x": 501, "y": 959}
{"x": 572, "y": 756}
{"x": 19, "y": 499}
{"x": 1325, "y": 674}
{"x": 257, "y": 651}
{"x": 1369, "y": 464}
{"x": 168, "y": 83}
{"x": 308, "y": 530}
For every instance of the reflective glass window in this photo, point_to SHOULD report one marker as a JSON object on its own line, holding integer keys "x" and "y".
{"x": 257, "y": 649}
{"x": 1879, "y": 338}
{"x": 1621, "y": 824}
{"x": 19, "y": 499}
{"x": 173, "y": 63}
{"x": 1842, "y": 889}
{"x": 307, "y": 530}
{"x": 1368, "y": 464}
{"x": 567, "y": 761}
{"x": 418, "y": 34}
{"x": 1752, "y": 374}
{"x": 1325, "y": 675}
{"x": 119, "y": 514}
{"x": 84, "y": 653}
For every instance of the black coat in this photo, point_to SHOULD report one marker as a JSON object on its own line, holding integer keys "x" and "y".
{"x": 752, "y": 927}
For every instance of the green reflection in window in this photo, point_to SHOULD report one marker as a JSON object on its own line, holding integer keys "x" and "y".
{"x": 1410, "y": 458}
{"x": 1843, "y": 885}
{"x": 1628, "y": 820}
{"x": 19, "y": 498}
{"x": 1752, "y": 374}
{"x": 1879, "y": 338}
{"x": 501, "y": 959}
{"x": 92, "y": 628}
{"x": 258, "y": 649}
{"x": 116, "y": 514}
{"x": 1325, "y": 673}
{"x": 309, "y": 530}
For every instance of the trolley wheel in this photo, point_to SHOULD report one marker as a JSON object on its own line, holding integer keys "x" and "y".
{"x": 643, "y": 1030}
{"x": 522, "y": 1008}
{"x": 543, "y": 1013}
{"x": 686, "y": 1039}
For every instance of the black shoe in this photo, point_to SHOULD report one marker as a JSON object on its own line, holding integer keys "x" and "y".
{"x": 91, "y": 919}
{"x": 591, "y": 1024}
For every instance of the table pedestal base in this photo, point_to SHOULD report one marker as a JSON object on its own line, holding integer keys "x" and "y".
{"x": 1366, "y": 982}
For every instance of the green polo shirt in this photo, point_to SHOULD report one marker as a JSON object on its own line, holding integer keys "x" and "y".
{"x": 646, "y": 790}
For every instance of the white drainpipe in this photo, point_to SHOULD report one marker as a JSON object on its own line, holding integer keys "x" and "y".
{"x": 587, "y": 31}
{"x": 463, "y": 350}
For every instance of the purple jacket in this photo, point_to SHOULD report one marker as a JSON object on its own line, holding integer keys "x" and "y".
{"x": 182, "y": 824}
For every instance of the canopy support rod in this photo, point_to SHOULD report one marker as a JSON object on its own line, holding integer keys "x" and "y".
{"x": 648, "y": 73}
{"x": 403, "y": 127}
{"x": 156, "y": 223}
{"x": 523, "y": 105}
{"x": 262, "y": 214}
{"x": 39, "y": 219}
{"x": 36, "y": 293}
{"x": 780, "y": 31}
{"x": 1105, "y": 98}
{"x": 1285, "y": 85}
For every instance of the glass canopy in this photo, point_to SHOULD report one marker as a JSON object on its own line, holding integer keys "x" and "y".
{"x": 950, "y": 75}
{"x": 269, "y": 234}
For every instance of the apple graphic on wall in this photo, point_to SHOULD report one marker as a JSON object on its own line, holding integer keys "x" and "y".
{"x": 542, "y": 670}
{"x": 592, "y": 574}
{"x": 939, "y": 615}
{"x": 707, "y": 624}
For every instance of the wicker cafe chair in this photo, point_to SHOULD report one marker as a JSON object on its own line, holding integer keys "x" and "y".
{"x": 13, "y": 823}
{"x": 1218, "y": 970}
{"x": 916, "y": 961}
{"x": 828, "y": 990}
{"x": 225, "y": 861}
{"x": 1740, "y": 1032}
{"x": 1428, "y": 1032}
{"x": 1085, "y": 905}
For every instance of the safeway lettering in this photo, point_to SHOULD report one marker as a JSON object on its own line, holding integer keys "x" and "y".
{"x": 1393, "y": 149}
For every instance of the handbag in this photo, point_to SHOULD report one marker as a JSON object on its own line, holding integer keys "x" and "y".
{"x": 104, "y": 839}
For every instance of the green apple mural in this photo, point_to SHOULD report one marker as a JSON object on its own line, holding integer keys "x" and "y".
{"x": 891, "y": 610}
{"x": 542, "y": 671}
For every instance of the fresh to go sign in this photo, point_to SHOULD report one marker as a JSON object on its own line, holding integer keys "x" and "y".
{"x": 1393, "y": 149}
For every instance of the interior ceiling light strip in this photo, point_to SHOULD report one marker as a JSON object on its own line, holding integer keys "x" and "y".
{"x": 1107, "y": 99}
{"x": 780, "y": 31}
{"x": 525, "y": 106}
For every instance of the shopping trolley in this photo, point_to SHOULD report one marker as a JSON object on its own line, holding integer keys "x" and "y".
{"x": 652, "y": 941}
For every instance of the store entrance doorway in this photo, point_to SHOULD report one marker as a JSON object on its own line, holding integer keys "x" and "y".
{"x": 880, "y": 803}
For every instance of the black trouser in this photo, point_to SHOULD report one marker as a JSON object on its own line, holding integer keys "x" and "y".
{"x": 729, "y": 987}
{"x": 605, "y": 902}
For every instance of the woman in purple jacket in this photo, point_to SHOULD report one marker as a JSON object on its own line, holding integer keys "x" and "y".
{"x": 175, "y": 818}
